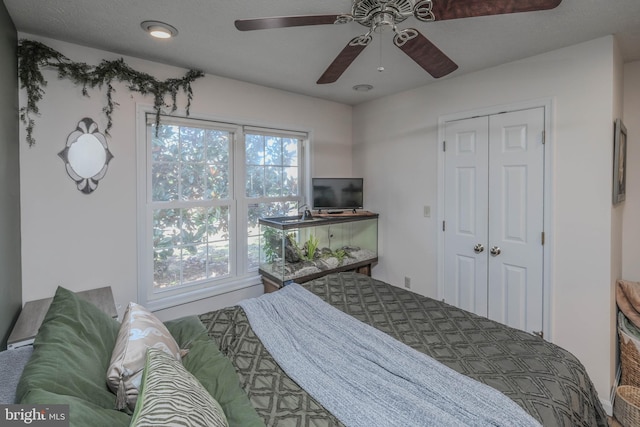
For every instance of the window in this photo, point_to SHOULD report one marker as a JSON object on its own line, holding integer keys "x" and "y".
{"x": 206, "y": 185}
{"x": 273, "y": 178}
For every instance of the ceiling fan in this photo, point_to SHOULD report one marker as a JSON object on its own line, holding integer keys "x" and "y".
{"x": 382, "y": 15}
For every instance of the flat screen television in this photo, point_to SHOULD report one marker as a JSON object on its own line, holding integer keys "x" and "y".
{"x": 337, "y": 193}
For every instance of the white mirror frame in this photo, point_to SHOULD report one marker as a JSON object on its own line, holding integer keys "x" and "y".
{"x": 86, "y": 155}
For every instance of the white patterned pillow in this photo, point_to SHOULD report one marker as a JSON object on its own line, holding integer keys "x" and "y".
{"x": 170, "y": 395}
{"x": 139, "y": 330}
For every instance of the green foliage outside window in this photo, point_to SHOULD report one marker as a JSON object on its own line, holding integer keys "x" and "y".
{"x": 190, "y": 164}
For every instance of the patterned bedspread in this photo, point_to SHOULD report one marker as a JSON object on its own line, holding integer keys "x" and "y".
{"x": 547, "y": 381}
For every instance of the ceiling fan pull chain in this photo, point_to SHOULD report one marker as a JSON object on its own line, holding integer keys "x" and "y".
{"x": 423, "y": 10}
{"x": 380, "y": 66}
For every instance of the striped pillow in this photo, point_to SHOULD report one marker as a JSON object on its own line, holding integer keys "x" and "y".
{"x": 170, "y": 395}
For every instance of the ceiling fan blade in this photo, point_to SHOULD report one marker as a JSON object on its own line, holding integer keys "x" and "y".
{"x": 454, "y": 9}
{"x": 426, "y": 54}
{"x": 344, "y": 59}
{"x": 286, "y": 21}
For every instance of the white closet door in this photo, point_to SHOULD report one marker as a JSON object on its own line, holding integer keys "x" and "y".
{"x": 494, "y": 193}
{"x": 466, "y": 176}
{"x": 516, "y": 221}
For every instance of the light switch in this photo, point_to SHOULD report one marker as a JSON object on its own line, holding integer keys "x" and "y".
{"x": 427, "y": 211}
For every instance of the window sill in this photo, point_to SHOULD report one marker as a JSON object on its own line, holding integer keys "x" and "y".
{"x": 187, "y": 297}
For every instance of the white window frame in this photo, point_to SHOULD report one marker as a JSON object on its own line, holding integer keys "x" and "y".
{"x": 240, "y": 276}
{"x": 242, "y": 197}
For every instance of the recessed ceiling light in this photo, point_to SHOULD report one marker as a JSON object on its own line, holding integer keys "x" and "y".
{"x": 362, "y": 88}
{"x": 159, "y": 29}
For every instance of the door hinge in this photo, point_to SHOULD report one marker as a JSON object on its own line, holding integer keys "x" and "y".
{"x": 444, "y": 146}
{"x": 443, "y": 226}
{"x": 539, "y": 333}
{"x": 544, "y": 137}
{"x": 542, "y": 238}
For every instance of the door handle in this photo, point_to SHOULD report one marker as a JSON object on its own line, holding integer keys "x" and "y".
{"x": 495, "y": 251}
{"x": 478, "y": 248}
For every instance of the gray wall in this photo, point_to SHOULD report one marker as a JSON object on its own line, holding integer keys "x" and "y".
{"x": 10, "y": 265}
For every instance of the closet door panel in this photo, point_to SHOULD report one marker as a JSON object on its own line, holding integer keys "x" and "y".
{"x": 466, "y": 214}
{"x": 516, "y": 213}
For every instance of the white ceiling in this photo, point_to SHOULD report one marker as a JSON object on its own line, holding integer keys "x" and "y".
{"x": 292, "y": 59}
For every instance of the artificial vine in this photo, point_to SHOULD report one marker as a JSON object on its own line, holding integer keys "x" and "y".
{"x": 33, "y": 56}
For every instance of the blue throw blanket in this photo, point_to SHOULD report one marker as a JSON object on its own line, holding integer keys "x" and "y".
{"x": 365, "y": 377}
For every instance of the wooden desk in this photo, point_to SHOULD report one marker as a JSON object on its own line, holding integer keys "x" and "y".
{"x": 33, "y": 312}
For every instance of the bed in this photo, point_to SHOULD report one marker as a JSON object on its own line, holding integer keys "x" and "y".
{"x": 512, "y": 375}
{"x": 548, "y": 382}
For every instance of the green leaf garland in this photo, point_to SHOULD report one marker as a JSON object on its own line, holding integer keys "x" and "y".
{"x": 33, "y": 56}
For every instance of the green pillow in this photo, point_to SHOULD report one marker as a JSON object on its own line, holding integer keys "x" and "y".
{"x": 71, "y": 352}
{"x": 81, "y": 412}
{"x": 214, "y": 371}
{"x": 170, "y": 396}
{"x": 70, "y": 357}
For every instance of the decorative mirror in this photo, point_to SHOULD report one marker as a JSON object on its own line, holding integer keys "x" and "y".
{"x": 86, "y": 155}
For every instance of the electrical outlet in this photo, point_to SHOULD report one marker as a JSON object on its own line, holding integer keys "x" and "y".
{"x": 407, "y": 282}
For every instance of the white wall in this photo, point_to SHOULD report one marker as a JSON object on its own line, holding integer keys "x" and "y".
{"x": 631, "y": 119}
{"x": 85, "y": 241}
{"x": 395, "y": 149}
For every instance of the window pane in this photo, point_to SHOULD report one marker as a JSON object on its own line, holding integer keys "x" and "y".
{"x": 290, "y": 182}
{"x": 217, "y": 182}
{"x": 194, "y": 263}
{"x": 253, "y": 252}
{"x": 218, "y": 261}
{"x": 190, "y": 163}
{"x": 193, "y": 226}
{"x": 192, "y": 179}
{"x": 255, "y": 181}
{"x": 192, "y": 147}
{"x": 272, "y": 181}
{"x": 290, "y": 152}
{"x": 164, "y": 144}
{"x": 279, "y": 176}
{"x": 218, "y": 224}
{"x": 164, "y": 181}
{"x": 254, "y": 149}
{"x": 190, "y": 245}
{"x": 166, "y": 228}
{"x": 166, "y": 268}
{"x": 218, "y": 264}
{"x": 273, "y": 151}
{"x": 217, "y": 146}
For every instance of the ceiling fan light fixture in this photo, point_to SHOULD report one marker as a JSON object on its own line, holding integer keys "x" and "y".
{"x": 160, "y": 30}
{"x": 383, "y": 22}
{"x": 362, "y": 88}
